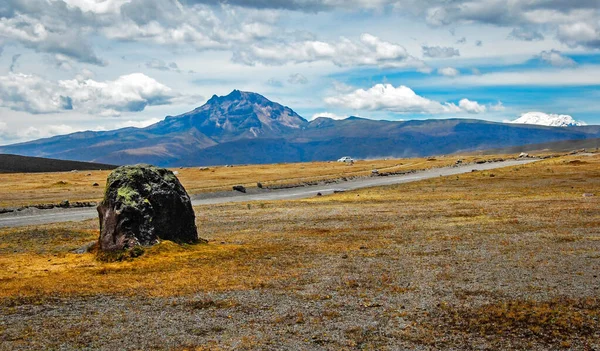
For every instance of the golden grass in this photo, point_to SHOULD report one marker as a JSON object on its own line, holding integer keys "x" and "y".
{"x": 514, "y": 215}
{"x": 20, "y": 189}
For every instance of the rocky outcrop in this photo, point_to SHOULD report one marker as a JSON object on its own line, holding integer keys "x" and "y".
{"x": 143, "y": 204}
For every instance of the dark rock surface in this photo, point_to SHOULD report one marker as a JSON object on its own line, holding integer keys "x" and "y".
{"x": 142, "y": 205}
{"x": 239, "y": 188}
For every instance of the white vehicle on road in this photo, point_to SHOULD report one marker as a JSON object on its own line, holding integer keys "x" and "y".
{"x": 346, "y": 159}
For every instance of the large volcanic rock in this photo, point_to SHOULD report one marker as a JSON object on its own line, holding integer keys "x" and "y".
{"x": 143, "y": 204}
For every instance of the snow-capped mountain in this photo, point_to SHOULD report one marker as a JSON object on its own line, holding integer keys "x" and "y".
{"x": 545, "y": 119}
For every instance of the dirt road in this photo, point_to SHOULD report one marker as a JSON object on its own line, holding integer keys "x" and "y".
{"x": 34, "y": 216}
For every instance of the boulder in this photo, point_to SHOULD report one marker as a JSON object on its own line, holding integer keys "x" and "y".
{"x": 142, "y": 205}
{"x": 239, "y": 188}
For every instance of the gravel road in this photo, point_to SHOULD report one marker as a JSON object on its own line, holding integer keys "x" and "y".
{"x": 33, "y": 216}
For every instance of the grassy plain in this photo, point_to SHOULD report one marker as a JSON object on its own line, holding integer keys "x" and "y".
{"x": 502, "y": 259}
{"x": 21, "y": 189}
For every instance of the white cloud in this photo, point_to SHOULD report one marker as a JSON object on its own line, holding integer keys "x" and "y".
{"x": 448, "y": 72}
{"x": 45, "y": 131}
{"x": 440, "y": 52}
{"x": 498, "y": 107}
{"x": 161, "y": 65}
{"x": 555, "y": 58}
{"x": 297, "y": 78}
{"x": 580, "y": 33}
{"x": 342, "y": 87}
{"x": 526, "y": 34}
{"x": 471, "y": 106}
{"x": 575, "y": 76}
{"x": 386, "y": 97}
{"x": 34, "y": 94}
{"x": 327, "y": 115}
{"x": 369, "y": 50}
{"x": 138, "y": 124}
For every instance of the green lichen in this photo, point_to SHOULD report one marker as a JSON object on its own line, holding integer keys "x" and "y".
{"x": 127, "y": 195}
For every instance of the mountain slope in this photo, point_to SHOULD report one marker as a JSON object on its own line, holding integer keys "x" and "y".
{"x": 245, "y": 127}
{"x": 25, "y": 164}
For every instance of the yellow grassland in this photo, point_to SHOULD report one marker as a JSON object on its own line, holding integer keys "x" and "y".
{"x": 22, "y": 189}
{"x": 516, "y": 213}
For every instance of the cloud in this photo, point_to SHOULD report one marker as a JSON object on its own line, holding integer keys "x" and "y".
{"x": 580, "y": 34}
{"x": 13, "y": 62}
{"x": 369, "y": 50}
{"x": 137, "y": 124}
{"x": 303, "y": 5}
{"x": 462, "y": 40}
{"x": 327, "y": 115}
{"x": 471, "y": 106}
{"x": 385, "y": 97}
{"x": 274, "y": 83}
{"x": 52, "y": 32}
{"x": 526, "y": 34}
{"x": 34, "y": 94}
{"x": 448, "y": 72}
{"x": 498, "y": 107}
{"x": 478, "y": 43}
{"x": 341, "y": 87}
{"x": 576, "y": 22}
{"x": 297, "y": 78}
{"x": 556, "y": 59}
{"x": 45, "y": 132}
{"x": 162, "y": 65}
{"x": 584, "y": 75}
{"x": 439, "y": 52}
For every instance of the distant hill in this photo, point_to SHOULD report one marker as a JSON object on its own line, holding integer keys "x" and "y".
{"x": 25, "y": 164}
{"x": 245, "y": 127}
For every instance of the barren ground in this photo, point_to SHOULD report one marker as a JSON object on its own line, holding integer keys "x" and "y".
{"x": 505, "y": 259}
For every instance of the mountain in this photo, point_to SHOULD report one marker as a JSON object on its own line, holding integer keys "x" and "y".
{"x": 245, "y": 127}
{"x": 544, "y": 119}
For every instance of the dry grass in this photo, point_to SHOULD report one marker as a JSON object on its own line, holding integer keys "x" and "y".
{"x": 469, "y": 261}
{"x": 21, "y": 189}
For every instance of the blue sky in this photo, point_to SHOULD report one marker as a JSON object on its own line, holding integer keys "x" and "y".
{"x": 70, "y": 65}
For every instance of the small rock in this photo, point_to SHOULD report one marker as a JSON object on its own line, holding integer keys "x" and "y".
{"x": 85, "y": 248}
{"x": 523, "y": 155}
{"x": 64, "y": 204}
{"x": 259, "y": 185}
{"x": 203, "y": 168}
{"x": 363, "y": 247}
{"x": 319, "y": 194}
{"x": 588, "y": 195}
{"x": 339, "y": 191}
{"x": 374, "y": 172}
{"x": 89, "y": 174}
{"x": 344, "y": 256}
{"x": 95, "y": 184}
{"x": 239, "y": 188}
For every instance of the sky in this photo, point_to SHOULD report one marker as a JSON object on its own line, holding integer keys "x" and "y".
{"x": 72, "y": 65}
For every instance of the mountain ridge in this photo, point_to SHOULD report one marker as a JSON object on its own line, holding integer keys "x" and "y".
{"x": 246, "y": 127}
